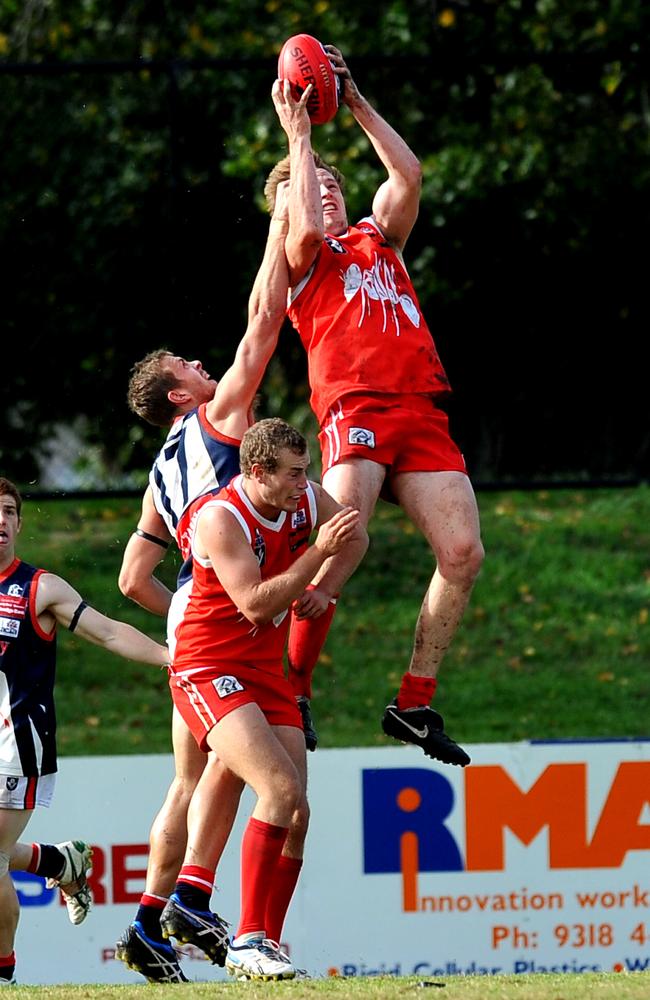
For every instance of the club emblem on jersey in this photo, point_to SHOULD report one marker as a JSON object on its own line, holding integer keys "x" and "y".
{"x": 379, "y": 284}
{"x": 259, "y": 548}
{"x": 12, "y": 784}
{"x": 299, "y": 519}
{"x": 227, "y": 685}
{"x": 362, "y": 436}
{"x": 334, "y": 245}
{"x": 15, "y": 590}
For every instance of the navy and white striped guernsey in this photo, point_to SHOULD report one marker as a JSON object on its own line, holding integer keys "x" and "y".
{"x": 195, "y": 458}
{"x": 27, "y": 674}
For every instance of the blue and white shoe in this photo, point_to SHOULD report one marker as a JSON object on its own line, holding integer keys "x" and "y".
{"x": 258, "y": 958}
{"x": 157, "y": 961}
{"x": 202, "y": 928}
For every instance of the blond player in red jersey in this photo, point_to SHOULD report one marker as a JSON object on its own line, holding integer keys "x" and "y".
{"x": 376, "y": 382}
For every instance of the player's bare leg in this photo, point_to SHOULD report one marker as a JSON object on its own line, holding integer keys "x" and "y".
{"x": 12, "y": 824}
{"x": 272, "y": 762}
{"x": 443, "y": 506}
{"x": 211, "y": 814}
{"x": 142, "y": 946}
{"x": 168, "y": 835}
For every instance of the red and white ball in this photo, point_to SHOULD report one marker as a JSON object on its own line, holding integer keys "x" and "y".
{"x": 303, "y": 60}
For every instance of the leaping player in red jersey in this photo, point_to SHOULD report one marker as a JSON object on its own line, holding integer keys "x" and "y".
{"x": 376, "y": 383}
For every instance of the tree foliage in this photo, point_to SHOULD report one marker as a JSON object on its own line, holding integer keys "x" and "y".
{"x": 137, "y": 139}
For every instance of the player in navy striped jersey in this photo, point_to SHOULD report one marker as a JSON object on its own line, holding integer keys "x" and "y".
{"x": 32, "y": 603}
{"x": 207, "y": 420}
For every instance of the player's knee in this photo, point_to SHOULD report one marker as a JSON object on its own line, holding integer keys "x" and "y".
{"x": 181, "y": 791}
{"x": 288, "y": 792}
{"x": 300, "y": 821}
{"x": 5, "y": 858}
{"x": 476, "y": 558}
{"x": 462, "y": 562}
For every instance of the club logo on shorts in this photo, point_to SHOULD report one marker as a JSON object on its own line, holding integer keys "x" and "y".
{"x": 12, "y": 784}
{"x": 227, "y": 685}
{"x": 362, "y": 436}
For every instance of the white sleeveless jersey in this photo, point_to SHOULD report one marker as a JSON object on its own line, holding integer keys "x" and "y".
{"x": 195, "y": 458}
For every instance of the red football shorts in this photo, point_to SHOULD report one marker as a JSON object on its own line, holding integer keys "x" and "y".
{"x": 405, "y": 433}
{"x": 210, "y": 695}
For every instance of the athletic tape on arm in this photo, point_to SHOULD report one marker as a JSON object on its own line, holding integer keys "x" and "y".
{"x": 151, "y": 538}
{"x": 76, "y": 616}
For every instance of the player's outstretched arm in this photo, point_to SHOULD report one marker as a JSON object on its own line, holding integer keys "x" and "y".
{"x": 306, "y": 227}
{"x": 57, "y": 601}
{"x": 396, "y": 203}
{"x": 267, "y": 305}
{"x": 143, "y": 553}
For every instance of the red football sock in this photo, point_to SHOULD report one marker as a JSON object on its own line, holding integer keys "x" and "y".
{"x": 415, "y": 691}
{"x": 194, "y": 886}
{"x": 284, "y": 882}
{"x": 197, "y": 877}
{"x": 261, "y": 848}
{"x": 306, "y": 639}
{"x": 155, "y": 902}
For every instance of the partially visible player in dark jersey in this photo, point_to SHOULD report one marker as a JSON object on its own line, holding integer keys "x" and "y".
{"x": 377, "y": 383}
{"x": 32, "y": 603}
{"x": 251, "y": 559}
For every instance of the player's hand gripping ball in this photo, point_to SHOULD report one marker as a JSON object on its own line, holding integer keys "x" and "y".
{"x": 303, "y": 60}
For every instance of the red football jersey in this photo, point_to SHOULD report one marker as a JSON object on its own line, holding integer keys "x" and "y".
{"x": 360, "y": 322}
{"x": 212, "y": 630}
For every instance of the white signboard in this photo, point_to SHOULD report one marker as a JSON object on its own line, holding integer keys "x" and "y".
{"x": 535, "y": 858}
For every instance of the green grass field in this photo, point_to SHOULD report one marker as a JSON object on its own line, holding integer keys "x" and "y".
{"x": 588, "y": 986}
{"x": 555, "y": 643}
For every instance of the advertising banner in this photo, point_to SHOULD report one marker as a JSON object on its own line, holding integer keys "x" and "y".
{"x": 534, "y": 858}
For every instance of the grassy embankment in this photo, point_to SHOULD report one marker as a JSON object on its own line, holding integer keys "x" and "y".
{"x": 555, "y": 644}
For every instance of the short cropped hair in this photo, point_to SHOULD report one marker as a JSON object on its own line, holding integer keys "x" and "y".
{"x": 8, "y": 489}
{"x": 282, "y": 172}
{"x": 263, "y": 442}
{"x": 148, "y": 387}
